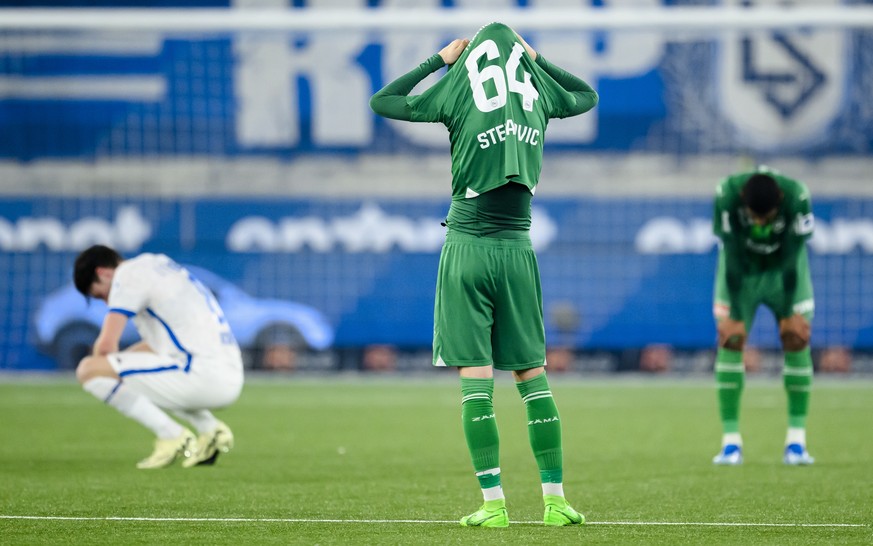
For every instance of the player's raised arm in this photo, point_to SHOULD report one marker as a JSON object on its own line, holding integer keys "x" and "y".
{"x": 391, "y": 101}
{"x": 586, "y": 96}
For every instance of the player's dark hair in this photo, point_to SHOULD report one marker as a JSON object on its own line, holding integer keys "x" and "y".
{"x": 761, "y": 193}
{"x": 87, "y": 262}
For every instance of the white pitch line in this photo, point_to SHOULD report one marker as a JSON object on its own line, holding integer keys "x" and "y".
{"x": 724, "y": 524}
{"x": 314, "y": 520}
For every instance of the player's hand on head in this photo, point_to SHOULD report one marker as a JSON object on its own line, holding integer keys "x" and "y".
{"x": 527, "y": 47}
{"x": 451, "y": 52}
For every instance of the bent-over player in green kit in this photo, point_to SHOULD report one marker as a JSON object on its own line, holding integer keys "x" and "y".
{"x": 496, "y": 100}
{"x": 763, "y": 220}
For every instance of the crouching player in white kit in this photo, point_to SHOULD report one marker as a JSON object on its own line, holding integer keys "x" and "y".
{"x": 188, "y": 361}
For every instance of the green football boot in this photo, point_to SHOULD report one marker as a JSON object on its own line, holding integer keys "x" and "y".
{"x": 492, "y": 514}
{"x": 559, "y": 512}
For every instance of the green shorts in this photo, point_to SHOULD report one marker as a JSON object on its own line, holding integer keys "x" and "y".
{"x": 489, "y": 304}
{"x": 764, "y": 288}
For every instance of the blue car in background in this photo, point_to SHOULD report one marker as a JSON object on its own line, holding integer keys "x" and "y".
{"x": 270, "y": 332}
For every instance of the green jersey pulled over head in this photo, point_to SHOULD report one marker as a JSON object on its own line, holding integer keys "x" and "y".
{"x": 496, "y": 100}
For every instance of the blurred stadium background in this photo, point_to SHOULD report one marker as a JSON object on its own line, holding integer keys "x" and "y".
{"x": 241, "y": 142}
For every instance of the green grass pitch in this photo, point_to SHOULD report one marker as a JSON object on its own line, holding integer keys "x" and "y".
{"x": 382, "y": 461}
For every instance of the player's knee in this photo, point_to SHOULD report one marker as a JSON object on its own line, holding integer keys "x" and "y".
{"x": 84, "y": 370}
{"x": 734, "y": 343}
{"x": 530, "y": 373}
{"x": 91, "y": 367}
{"x": 792, "y": 342}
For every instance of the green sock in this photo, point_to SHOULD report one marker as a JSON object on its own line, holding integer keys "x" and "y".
{"x": 480, "y": 429}
{"x": 543, "y": 427}
{"x": 797, "y": 377}
{"x": 729, "y": 377}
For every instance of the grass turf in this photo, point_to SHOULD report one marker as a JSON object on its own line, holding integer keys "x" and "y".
{"x": 371, "y": 452}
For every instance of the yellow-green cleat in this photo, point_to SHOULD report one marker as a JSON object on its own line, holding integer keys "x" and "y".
{"x": 559, "y": 512}
{"x": 210, "y": 445}
{"x": 492, "y": 514}
{"x": 167, "y": 451}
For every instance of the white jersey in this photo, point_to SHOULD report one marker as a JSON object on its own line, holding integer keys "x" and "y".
{"x": 172, "y": 311}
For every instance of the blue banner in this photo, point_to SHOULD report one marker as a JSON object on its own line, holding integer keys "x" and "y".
{"x": 616, "y": 273}
{"x": 98, "y": 94}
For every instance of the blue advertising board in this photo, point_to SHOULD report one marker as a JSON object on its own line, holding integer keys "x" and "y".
{"x": 617, "y": 273}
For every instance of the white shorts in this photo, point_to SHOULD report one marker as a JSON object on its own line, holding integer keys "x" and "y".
{"x": 208, "y": 383}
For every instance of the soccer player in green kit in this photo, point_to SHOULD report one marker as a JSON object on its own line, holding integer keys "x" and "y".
{"x": 763, "y": 220}
{"x": 496, "y": 100}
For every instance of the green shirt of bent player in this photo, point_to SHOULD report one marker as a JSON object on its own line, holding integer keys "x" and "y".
{"x": 496, "y": 100}
{"x": 771, "y": 244}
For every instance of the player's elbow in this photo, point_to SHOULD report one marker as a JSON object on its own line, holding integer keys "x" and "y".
{"x": 377, "y": 104}
{"x": 584, "y": 103}
{"x": 590, "y": 100}
{"x": 594, "y": 98}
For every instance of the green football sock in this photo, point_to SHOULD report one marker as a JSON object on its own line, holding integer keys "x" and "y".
{"x": 543, "y": 427}
{"x": 480, "y": 429}
{"x": 729, "y": 377}
{"x": 797, "y": 376}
